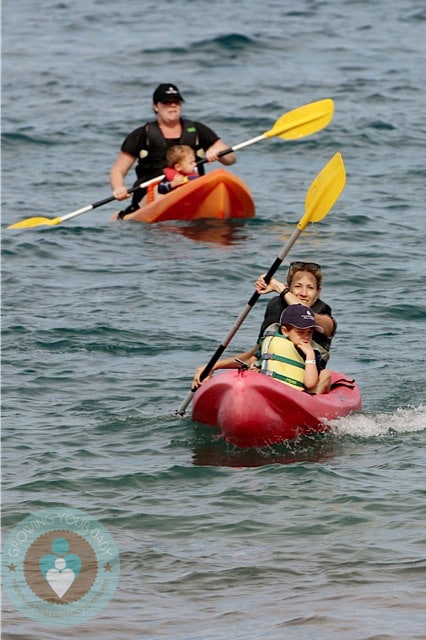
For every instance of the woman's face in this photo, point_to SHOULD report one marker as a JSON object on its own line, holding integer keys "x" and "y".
{"x": 304, "y": 286}
{"x": 168, "y": 112}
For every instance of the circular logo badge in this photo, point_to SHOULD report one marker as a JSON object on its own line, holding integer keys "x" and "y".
{"x": 60, "y": 567}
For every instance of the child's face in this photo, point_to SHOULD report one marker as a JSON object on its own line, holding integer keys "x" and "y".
{"x": 297, "y": 335}
{"x": 186, "y": 165}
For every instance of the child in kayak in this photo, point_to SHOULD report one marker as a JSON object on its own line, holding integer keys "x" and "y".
{"x": 180, "y": 168}
{"x": 286, "y": 350}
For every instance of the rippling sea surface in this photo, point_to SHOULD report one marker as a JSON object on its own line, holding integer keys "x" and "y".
{"x": 105, "y": 323}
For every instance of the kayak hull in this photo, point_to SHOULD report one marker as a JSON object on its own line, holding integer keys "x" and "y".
{"x": 254, "y": 410}
{"x": 218, "y": 194}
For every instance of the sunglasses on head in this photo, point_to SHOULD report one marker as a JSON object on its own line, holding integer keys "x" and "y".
{"x": 310, "y": 266}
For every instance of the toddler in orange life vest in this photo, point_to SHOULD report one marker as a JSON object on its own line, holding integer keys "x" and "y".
{"x": 180, "y": 168}
{"x": 287, "y": 353}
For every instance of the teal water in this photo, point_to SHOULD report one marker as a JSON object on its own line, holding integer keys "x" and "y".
{"x": 104, "y": 324}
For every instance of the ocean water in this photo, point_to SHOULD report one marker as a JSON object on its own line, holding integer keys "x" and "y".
{"x": 105, "y": 323}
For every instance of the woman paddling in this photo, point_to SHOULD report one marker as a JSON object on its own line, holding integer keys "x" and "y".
{"x": 303, "y": 286}
{"x": 147, "y": 145}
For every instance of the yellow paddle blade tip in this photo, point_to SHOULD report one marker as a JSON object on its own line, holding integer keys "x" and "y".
{"x": 34, "y": 222}
{"x": 303, "y": 121}
{"x": 324, "y": 191}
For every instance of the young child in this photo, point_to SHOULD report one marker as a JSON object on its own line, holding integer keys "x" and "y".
{"x": 287, "y": 353}
{"x": 180, "y": 168}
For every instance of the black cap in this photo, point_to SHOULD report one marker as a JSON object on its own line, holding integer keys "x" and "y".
{"x": 166, "y": 93}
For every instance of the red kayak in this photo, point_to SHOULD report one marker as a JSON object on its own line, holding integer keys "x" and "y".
{"x": 218, "y": 194}
{"x": 251, "y": 409}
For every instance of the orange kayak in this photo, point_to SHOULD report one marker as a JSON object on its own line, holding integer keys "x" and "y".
{"x": 218, "y": 194}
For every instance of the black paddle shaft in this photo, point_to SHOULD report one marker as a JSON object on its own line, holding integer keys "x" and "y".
{"x": 219, "y": 155}
{"x": 99, "y": 203}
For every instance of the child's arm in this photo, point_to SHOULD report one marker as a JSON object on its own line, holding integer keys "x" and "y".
{"x": 227, "y": 363}
{"x": 311, "y": 372}
{"x": 166, "y": 186}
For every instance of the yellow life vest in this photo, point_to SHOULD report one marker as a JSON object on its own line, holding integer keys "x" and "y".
{"x": 280, "y": 359}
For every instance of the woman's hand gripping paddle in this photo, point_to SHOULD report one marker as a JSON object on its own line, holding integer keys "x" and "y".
{"x": 299, "y": 123}
{"x": 320, "y": 198}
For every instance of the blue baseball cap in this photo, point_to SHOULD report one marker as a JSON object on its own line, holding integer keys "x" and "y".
{"x": 297, "y": 315}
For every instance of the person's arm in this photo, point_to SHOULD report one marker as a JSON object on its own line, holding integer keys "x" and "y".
{"x": 213, "y": 151}
{"x": 227, "y": 363}
{"x": 311, "y": 373}
{"x": 326, "y": 322}
{"x": 212, "y": 145}
{"x": 166, "y": 186}
{"x": 278, "y": 287}
{"x": 311, "y": 376}
{"x": 274, "y": 285}
{"x": 118, "y": 172}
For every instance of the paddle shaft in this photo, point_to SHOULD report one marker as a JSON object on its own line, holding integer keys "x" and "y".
{"x": 99, "y": 203}
{"x": 237, "y": 147}
{"x": 250, "y": 304}
{"x": 299, "y": 123}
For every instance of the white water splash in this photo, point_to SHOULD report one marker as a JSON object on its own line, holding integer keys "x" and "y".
{"x": 401, "y": 421}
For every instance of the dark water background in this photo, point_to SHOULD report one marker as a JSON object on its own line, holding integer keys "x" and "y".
{"x": 104, "y": 324}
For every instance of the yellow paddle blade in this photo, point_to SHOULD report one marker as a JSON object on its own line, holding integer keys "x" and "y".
{"x": 324, "y": 191}
{"x": 303, "y": 121}
{"x": 34, "y": 222}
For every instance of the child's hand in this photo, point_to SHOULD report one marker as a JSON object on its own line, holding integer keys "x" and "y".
{"x": 177, "y": 181}
{"x": 306, "y": 347}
